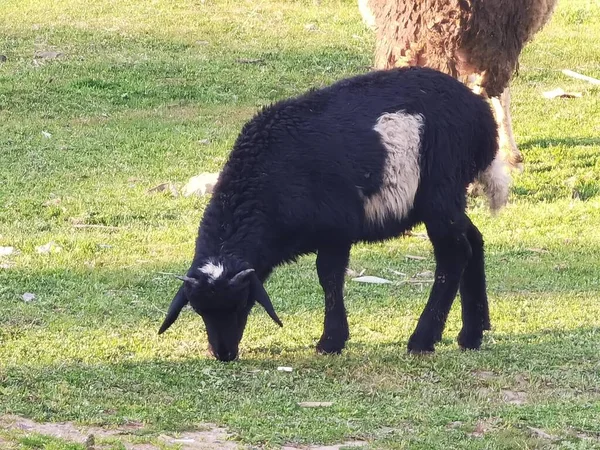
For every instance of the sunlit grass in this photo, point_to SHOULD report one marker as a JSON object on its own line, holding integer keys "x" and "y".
{"x": 153, "y": 92}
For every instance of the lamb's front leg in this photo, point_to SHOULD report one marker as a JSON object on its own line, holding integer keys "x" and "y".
{"x": 331, "y": 268}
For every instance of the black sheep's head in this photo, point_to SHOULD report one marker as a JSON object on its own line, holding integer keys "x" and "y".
{"x": 222, "y": 293}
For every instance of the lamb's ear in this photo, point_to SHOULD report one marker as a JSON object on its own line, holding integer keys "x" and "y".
{"x": 257, "y": 291}
{"x": 176, "y": 306}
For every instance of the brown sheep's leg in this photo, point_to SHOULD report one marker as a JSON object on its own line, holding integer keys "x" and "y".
{"x": 473, "y": 81}
{"x": 508, "y": 146}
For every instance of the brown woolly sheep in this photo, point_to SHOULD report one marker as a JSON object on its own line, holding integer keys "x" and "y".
{"x": 476, "y": 41}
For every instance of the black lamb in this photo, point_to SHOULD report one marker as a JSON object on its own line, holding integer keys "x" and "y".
{"x": 362, "y": 160}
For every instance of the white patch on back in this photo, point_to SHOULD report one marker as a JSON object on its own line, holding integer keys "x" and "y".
{"x": 401, "y": 136}
{"x": 214, "y": 271}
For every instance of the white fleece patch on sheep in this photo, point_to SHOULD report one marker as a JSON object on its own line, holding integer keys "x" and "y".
{"x": 214, "y": 271}
{"x": 496, "y": 182}
{"x": 401, "y": 136}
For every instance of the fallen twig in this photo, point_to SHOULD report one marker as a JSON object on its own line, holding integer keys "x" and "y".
{"x": 149, "y": 306}
{"x": 314, "y": 404}
{"x": 579, "y": 76}
{"x": 417, "y": 235}
{"x": 101, "y": 227}
{"x": 416, "y": 281}
{"x": 416, "y": 258}
{"x": 396, "y": 272}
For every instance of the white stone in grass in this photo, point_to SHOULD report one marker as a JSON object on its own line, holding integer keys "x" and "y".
{"x": 285, "y": 369}
{"x": 28, "y": 296}
{"x": 371, "y": 279}
{"x": 47, "y": 55}
{"x": 201, "y": 184}
{"x": 5, "y": 251}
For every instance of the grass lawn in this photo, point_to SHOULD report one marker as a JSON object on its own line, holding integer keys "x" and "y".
{"x": 146, "y": 92}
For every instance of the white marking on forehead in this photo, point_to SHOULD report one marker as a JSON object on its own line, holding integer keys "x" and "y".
{"x": 214, "y": 271}
{"x": 401, "y": 136}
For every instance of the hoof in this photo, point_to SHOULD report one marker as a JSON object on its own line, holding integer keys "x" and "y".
{"x": 329, "y": 347}
{"x": 418, "y": 346}
{"x": 470, "y": 340}
{"x": 487, "y": 326}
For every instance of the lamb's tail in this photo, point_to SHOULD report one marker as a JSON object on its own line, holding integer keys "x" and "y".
{"x": 495, "y": 182}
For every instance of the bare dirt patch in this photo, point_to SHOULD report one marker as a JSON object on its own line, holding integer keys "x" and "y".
{"x": 328, "y": 447}
{"x": 210, "y": 438}
{"x": 514, "y": 397}
{"x": 5, "y": 445}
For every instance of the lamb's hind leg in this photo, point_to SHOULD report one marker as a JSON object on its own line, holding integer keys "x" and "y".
{"x": 473, "y": 296}
{"x": 452, "y": 251}
{"x": 331, "y": 268}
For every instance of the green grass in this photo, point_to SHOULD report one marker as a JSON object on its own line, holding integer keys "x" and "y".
{"x": 138, "y": 88}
